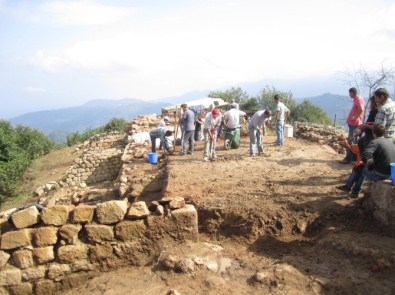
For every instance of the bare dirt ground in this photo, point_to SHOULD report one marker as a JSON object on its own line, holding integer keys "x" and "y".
{"x": 271, "y": 224}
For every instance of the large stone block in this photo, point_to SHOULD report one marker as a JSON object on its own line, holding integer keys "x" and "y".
{"x": 138, "y": 210}
{"x": 99, "y": 233}
{"x": 69, "y": 232}
{"x": 45, "y": 287}
{"x": 83, "y": 214}
{"x": 4, "y": 257}
{"x": 44, "y": 254}
{"x": 34, "y": 273}
{"x": 381, "y": 202}
{"x": 55, "y": 215}
{"x": 26, "y": 217}
{"x": 23, "y": 258}
{"x": 21, "y": 289}
{"x": 46, "y": 236}
{"x": 100, "y": 252}
{"x": 71, "y": 253}
{"x": 111, "y": 212}
{"x": 57, "y": 271}
{"x": 128, "y": 230}
{"x": 186, "y": 220}
{"x": 16, "y": 239}
{"x": 11, "y": 276}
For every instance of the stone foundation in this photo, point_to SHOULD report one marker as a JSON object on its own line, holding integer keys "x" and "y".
{"x": 64, "y": 246}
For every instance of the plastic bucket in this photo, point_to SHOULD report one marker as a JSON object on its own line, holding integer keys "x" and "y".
{"x": 392, "y": 173}
{"x": 153, "y": 158}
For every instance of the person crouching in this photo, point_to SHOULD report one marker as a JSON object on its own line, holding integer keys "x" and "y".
{"x": 160, "y": 133}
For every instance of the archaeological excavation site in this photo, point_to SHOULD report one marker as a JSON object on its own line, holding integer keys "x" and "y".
{"x": 114, "y": 223}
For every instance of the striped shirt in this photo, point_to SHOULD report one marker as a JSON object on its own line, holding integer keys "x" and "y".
{"x": 386, "y": 116}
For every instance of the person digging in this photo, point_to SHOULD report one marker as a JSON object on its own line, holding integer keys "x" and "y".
{"x": 211, "y": 123}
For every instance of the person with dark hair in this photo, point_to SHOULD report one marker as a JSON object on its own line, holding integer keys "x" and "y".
{"x": 198, "y": 127}
{"x": 188, "y": 129}
{"x": 282, "y": 113}
{"x": 211, "y": 123}
{"x": 378, "y": 155}
{"x": 354, "y": 119}
{"x": 366, "y": 127}
{"x": 254, "y": 125}
{"x": 160, "y": 133}
{"x": 386, "y": 112}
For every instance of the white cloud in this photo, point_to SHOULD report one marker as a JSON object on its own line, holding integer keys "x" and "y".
{"x": 34, "y": 89}
{"x": 70, "y": 13}
{"x": 224, "y": 43}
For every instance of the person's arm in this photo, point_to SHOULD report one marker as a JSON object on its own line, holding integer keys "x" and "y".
{"x": 287, "y": 113}
{"x": 369, "y": 151}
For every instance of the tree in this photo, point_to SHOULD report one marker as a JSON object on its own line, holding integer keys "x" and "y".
{"x": 266, "y": 99}
{"x": 237, "y": 94}
{"x": 115, "y": 124}
{"x": 309, "y": 112}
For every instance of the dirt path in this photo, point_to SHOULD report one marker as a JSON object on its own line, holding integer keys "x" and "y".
{"x": 272, "y": 224}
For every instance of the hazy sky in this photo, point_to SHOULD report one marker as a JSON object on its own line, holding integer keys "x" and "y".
{"x": 63, "y": 53}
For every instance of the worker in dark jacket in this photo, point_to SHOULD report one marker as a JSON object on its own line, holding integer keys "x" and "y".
{"x": 378, "y": 155}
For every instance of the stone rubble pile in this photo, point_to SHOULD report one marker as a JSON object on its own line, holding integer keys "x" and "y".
{"x": 142, "y": 123}
{"x": 321, "y": 134}
{"x": 64, "y": 246}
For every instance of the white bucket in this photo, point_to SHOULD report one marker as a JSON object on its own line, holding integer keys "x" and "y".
{"x": 288, "y": 130}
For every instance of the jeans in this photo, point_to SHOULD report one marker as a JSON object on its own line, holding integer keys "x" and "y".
{"x": 351, "y": 130}
{"x": 187, "y": 137}
{"x": 209, "y": 145}
{"x": 280, "y": 132}
{"x": 372, "y": 175}
{"x": 356, "y": 179}
{"x": 255, "y": 141}
{"x": 153, "y": 143}
{"x": 196, "y": 137}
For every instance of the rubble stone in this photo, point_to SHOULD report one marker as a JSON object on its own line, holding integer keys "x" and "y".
{"x": 44, "y": 254}
{"x": 23, "y": 258}
{"x": 16, "y": 239}
{"x": 71, "y": 253}
{"x": 21, "y": 289}
{"x": 55, "y": 215}
{"x": 187, "y": 222}
{"x": 69, "y": 232}
{"x": 100, "y": 252}
{"x": 9, "y": 277}
{"x": 57, "y": 271}
{"x": 137, "y": 210}
{"x": 34, "y": 273}
{"x": 99, "y": 233}
{"x": 46, "y": 236}
{"x": 111, "y": 212}
{"x": 26, "y": 217}
{"x": 83, "y": 214}
{"x": 4, "y": 257}
{"x": 129, "y": 230}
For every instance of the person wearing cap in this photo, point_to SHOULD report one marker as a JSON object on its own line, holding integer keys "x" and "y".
{"x": 164, "y": 122}
{"x": 254, "y": 125}
{"x": 211, "y": 123}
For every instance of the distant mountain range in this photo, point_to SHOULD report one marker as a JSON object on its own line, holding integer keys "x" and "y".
{"x": 57, "y": 124}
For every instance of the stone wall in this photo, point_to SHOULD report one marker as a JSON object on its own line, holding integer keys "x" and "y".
{"x": 64, "y": 246}
{"x": 100, "y": 161}
{"x": 321, "y": 134}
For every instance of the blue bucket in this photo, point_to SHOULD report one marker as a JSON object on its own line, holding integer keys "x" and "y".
{"x": 153, "y": 158}
{"x": 392, "y": 173}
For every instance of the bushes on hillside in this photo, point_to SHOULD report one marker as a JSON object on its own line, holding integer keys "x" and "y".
{"x": 18, "y": 147}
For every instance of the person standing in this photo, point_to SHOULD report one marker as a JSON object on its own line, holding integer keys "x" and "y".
{"x": 354, "y": 119}
{"x": 198, "y": 127}
{"x": 188, "y": 129}
{"x": 256, "y": 121}
{"x": 211, "y": 123}
{"x": 282, "y": 114}
{"x": 232, "y": 125}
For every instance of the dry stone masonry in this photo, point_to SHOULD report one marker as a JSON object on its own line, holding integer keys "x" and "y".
{"x": 63, "y": 246}
{"x": 100, "y": 161}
